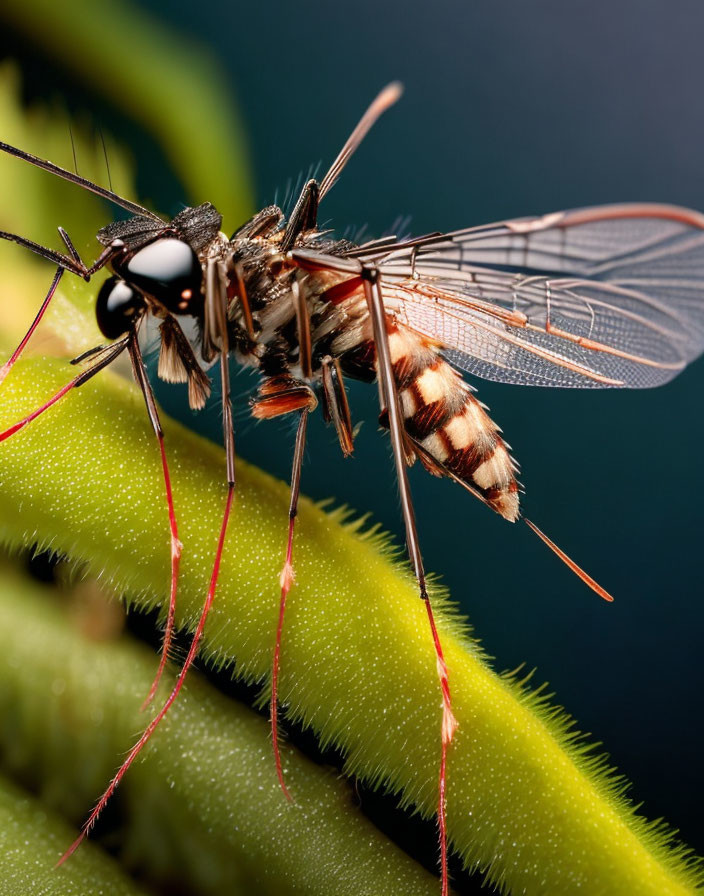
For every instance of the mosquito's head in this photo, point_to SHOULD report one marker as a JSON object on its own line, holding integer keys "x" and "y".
{"x": 165, "y": 272}
{"x": 155, "y": 264}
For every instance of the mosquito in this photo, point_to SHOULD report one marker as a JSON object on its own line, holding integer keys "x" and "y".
{"x": 605, "y": 297}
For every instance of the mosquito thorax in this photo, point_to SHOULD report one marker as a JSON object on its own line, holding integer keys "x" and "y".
{"x": 117, "y": 306}
{"x": 166, "y": 270}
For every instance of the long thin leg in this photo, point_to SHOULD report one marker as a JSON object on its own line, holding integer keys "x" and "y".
{"x": 149, "y": 730}
{"x": 7, "y": 366}
{"x": 127, "y": 204}
{"x": 388, "y": 388}
{"x": 216, "y": 300}
{"x": 241, "y": 290}
{"x": 216, "y": 314}
{"x": 305, "y": 341}
{"x": 337, "y": 408}
{"x": 63, "y": 261}
{"x": 286, "y": 580}
{"x": 292, "y": 393}
{"x": 140, "y": 375}
{"x": 106, "y": 357}
{"x": 74, "y": 264}
{"x": 70, "y": 262}
{"x": 89, "y": 353}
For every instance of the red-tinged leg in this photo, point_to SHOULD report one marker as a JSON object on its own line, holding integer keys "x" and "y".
{"x": 442, "y": 815}
{"x": 449, "y": 726}
{"x": 72, "y": 263}
{"x": 140, "y": 375}
{"x": 389, "y": 395}
{"x": 286, "y": 580}
{"x": 149, "y": 730}
{"x": 16, "y": 427}
{"x": 176, "y": 549}
{"x": 105, "y": 357}
{"x": 7, "y": 366}
{"x": 216, "y": 299}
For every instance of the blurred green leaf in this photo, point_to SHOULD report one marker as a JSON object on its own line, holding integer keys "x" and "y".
{"x": 167, "y": 83}
{"x": 31, "y": 842}
{"x": 204, "y": 807}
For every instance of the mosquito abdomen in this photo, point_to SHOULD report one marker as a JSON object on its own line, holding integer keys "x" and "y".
{"x": 449, "y": 425}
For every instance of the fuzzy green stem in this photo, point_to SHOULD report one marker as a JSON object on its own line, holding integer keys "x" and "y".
{"x": 31, "y": 839}
{"x": 203, "y": 807}
{"x": 526, "y": 801}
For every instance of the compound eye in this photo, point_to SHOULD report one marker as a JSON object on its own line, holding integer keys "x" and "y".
{"x": 117, "y": 306}
{"x": 167, "y": 270}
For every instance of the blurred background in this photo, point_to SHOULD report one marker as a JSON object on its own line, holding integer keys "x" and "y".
{"x": 509, "y": 110}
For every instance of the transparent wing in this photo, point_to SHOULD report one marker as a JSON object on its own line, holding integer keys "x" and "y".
{"x": 602, "y": 297}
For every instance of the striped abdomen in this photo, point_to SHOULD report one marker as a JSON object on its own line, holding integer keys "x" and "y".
{"x": 448, "y": 423}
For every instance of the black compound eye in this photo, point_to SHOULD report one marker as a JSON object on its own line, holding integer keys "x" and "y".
{"x": 117, "y": 306}
{"x": 167, "y": 270}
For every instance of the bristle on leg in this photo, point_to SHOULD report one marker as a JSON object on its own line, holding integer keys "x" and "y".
{"x": 449, "y": 722}
{"x": 287, "y": 577}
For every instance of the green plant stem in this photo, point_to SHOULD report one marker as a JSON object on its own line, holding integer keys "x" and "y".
{"x": 527, "y": 803}
{"x": 203, "y": 807}
{"x": 31, "y": 841}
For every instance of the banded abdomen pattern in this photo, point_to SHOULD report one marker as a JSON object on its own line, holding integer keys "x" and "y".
{"x": 446, "y": 421}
